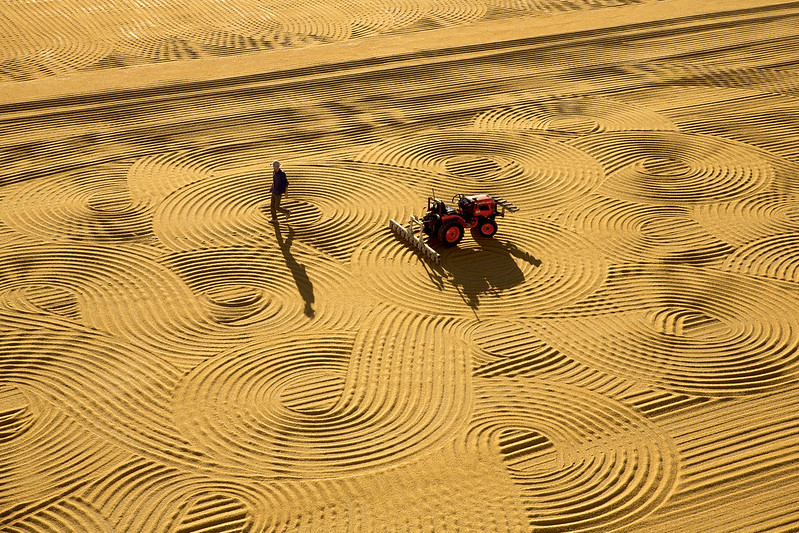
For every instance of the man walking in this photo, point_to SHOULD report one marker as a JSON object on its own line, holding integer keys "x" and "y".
{"x": 279, "y": 189}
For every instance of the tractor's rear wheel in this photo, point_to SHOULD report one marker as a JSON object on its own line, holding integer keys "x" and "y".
{"x": 450, "y": 233}
{"x": 485, "y": 227}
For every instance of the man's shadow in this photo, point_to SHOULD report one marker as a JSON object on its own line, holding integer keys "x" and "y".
{"x": 490, "y": 269}
{"x": 301, "y": 279}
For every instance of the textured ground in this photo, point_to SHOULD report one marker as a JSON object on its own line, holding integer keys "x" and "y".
{"x": 623, "y": 356}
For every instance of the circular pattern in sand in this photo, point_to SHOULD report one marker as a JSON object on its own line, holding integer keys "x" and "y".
{"x": 581, "y": 461}
{"x": 634, "y": 232}
{"x": 281, "y": 287}
{"x": 206, "y": 371}
{"x": 31, "y": 53}
{"x": 665, "y": 168}
{"x": 332, "y": 208}
{"x": 65, "y": 515}
{"x": 688, "y": 330}
{"x": 216, "y": 212}
{"x": 16, "y": 414}
{"x": 42, "y": 298}
{"x": 526, "y": 169}
{"x": 147, "y": 495}
{"x": 115, "y": 391}
{"x": 530, "y": 267}
{"x": 121, "y": 290}
{"x": 749, "y": 219}
{"x": 773, "y": 257}
{"x": 48, "y": 459}
{"x": 123, "y": 34}
{"x": 92, "y": 205}
{"x": 507, "y": 348}
{"x": 150, "y": 179}
{"x": 394, "y": 390}
{"x": 573, "y": 116}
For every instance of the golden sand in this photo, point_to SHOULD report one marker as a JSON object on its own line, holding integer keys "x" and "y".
{"x": 622, "y": 356}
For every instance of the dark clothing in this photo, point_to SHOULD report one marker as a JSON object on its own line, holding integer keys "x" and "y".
{"x": 279, "y": 183}
{"x": 275, "y": 206}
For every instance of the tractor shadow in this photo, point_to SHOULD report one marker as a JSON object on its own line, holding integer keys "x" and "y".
{"x": 488, "y": 269}
{"x": 301, "y": 279}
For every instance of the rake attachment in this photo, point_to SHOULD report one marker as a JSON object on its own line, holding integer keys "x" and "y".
{"x": 506, "y": 205}
{"x": 409, "y": 236}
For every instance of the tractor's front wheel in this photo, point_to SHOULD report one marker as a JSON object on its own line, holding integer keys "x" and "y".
{"x": 450, "y": 233}
{"x": 485, "y": 227}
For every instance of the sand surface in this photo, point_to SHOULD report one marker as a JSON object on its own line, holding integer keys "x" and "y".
{"x": 622, "y": 356}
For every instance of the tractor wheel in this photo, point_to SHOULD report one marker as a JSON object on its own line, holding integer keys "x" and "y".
{"x": 450, "y": 234}
{"x": 485, "y": 228}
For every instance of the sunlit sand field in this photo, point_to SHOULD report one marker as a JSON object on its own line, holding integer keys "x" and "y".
{"x": 622, "y": 356}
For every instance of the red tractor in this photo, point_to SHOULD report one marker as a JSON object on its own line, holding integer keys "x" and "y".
{"x": 447, "y": 224}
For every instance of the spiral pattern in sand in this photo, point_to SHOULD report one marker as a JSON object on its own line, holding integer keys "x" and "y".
{"x": 664, "y": 168}
{"x": 583, "y": 462}
{"x": 285, "y": 287}
{"x": 92, "y": 205}
{"x": 147, "y": 496}
{"x": 573, "y": 116}
{"x": 748, "y": 219}
{"x": 45, "y": 453}
{"x": 115, "y": 390}
{"x": 529, "y": 268}
{"x": 150, "y": 179}
{"x": 542, "y": 172}
{"x": 66, "y": 515}
{"x": 621, "y": 357}
{"x": 507, "y": 348}
{"x": 634, "y": 232}
{"x": 687, "y": 330}
{"x": 303, "y": 406}
{"x": 129, "y": 33}
{"x": 774, "y": 257}
{"x": 119, "y": 290}
{"x": 336, "y": 207}
{"x": 713, "y": 432}
{"x": 416, "y": 494}
{"x": 764, "y": 120}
